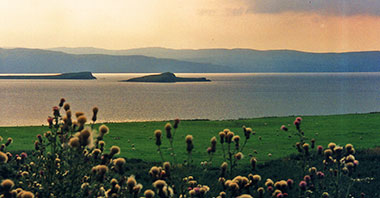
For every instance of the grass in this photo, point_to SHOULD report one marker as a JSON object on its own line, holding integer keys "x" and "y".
{"x": 361, "y": 130}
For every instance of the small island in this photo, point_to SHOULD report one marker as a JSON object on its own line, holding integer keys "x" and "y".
{"x": 166, "y": 77}
{"x": 63, "y": 76}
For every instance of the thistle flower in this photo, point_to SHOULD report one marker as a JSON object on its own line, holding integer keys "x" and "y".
{"x": 50, "y": 121}
{"x": 114, "y": 150}
{"x": 349, "y": 147}
{"x": 137, "y": 189}
{"x": 149, "y": 193}
{"x": 159, "y": 184}
{"x": 245, "y": 196}
{"x": 284, "y": 128}
{"x": 290, "y": 183}
{"x": 66, "y": 106}
{"x": 27, "y": 194}
{"x": 269, "y": 182}
{"x": 74, "y": 142}
{"x": 312, "y": 143}
{"x": 101, "y": 170}
{"x": 131, "y": 182}
{"x": 7, "y": 185}
{"x": 302, "y": 185}
{"x": 103, "y": 129}
{"x": 328, "y": 152}
{"x": 319, "y": 149}
{"x": 158, "y": 134}
{"x": 331, "y": 145}
{"x": 320, "y": 175}
{"x": 61, "y": 102}
{"x": 168, "y": 129}
{"x": 3, "y": 157}
{"x": 306, "y": 147}
{"x": 223, "y": 168}
{"x": 253, "y": 162}
{"x": 189, "y": 142}
{"x": 229, "y": 136}
{"x": 94, "y": 113}
{"x": 222, "y": 135}
{"x": 248, "y": 132}
{"x": 260, "y": 191}
{"x": 236, "y": 139}
{"x": 56, "y": 111}
{"x": 325, "y": 195}
{"x": 255, "y": 179}
{"x": 82, "y": 120}
{"x": 8, "y": 142}
{"x": 213, "y": 144}
{"x": 239, "y": 156}
{"x": 176, "y": 122}
{"x": 119, "y": 163}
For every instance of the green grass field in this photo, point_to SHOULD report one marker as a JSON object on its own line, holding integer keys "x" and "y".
{"x": 361, "y": 130}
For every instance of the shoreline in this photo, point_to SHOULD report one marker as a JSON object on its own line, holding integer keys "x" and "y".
{"x": 201, "y": 119}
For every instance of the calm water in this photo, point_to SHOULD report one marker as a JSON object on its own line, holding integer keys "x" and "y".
{"x": 228, "y": 96}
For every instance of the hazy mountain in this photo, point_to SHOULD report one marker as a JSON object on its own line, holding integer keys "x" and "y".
{"x": 248, "y": 60}
{"x": 22, "y": 60}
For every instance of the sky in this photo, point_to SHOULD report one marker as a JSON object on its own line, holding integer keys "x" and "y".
{"x": 306, "y": 25}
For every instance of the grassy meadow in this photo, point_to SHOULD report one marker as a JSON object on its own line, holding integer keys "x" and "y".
{"x": 136, "y": 139}
{"x": 66, "y": 155}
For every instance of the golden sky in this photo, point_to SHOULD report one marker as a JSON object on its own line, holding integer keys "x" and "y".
{"x": 319, "y": 26}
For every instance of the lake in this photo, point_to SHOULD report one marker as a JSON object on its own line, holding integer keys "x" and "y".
{"x": 228, "y": 96}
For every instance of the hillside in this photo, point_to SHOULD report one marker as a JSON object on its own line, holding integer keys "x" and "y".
{"x": 22, "y": 60}
{"x": 247, "y": 60}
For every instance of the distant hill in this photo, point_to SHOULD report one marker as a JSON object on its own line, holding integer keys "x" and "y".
{"x": 63, "y": 76}
{"x": 21, "y": 60}
{"x": 166, "y": 77}
{"x": 247, "y": 60}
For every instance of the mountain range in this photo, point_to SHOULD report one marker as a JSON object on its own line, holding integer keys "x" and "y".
{"x": 157, "y": 60}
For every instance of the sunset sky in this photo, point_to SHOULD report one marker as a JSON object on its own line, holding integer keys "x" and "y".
{"x": 307, "y": 25}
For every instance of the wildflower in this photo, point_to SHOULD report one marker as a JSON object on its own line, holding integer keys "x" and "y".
{"x": 50, "y": 121}
{"x": 158, "y": 134}
{"x": 255, "y": 179}
{"x": 312, "y": 143}
{"x": 297, "y": 123}
{"x": 306, "y": 148}
{"x": 8, "y": 142}
{"x": 348, "y": 147}
{"x": 3, "y": 157}
{"x": 290, "y": 183}
{"x": 149, "y": 193}
{"x": 213, "y": 144}
{"x": 338, "y": 150}
{"x": 236, "y": 139}
{"x": 253, "y": 162}
{"x": 331, "y": 145}
{"x": 319, "y": 149}
{"x": 94, "y": 113}
{"x": 260, "y": 191}
{"x": 239, "y": 156}
{"x": 101, "y": 169}
{"x": 55, "y": 111}
{"x": 307, "y": 178}
{"x": 168, "y": 128}
{"x": 66, "y": 106}
{"x": 328, "y": 152}
{"x": 320, "y": 175}
{"x": 114, "y": 150}
{"x": 176, "y": 122}
{"x": 7, "y": 185}
{"x": 131, "y": 182}
{"x": 27, "y": 194}
{"x": 229, "y": 136}
{"x": 284, "y": 128}
{"x": 136, "y": 189}
{"x": 82, "y": 120}
{"x": 325, "y": 195}
{"x": 245, "y": 196}
{"x": 247, "y": 133}
{"x": 269, "y": 154}
{"x": 159, "y": 184}
{"x": 103, "y": 129}
{"x": 269, "y": 182}
{"x": 303, "y": 185}
{"x": 189, "y": 142}
{"x": 222, "y": 135}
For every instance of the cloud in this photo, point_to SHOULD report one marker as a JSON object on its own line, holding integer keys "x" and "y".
{"x": 323, "y": 7}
